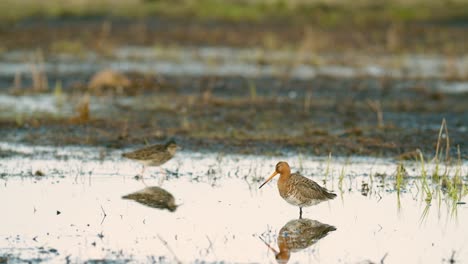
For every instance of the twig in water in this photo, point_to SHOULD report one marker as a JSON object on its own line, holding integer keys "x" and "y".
{"x": 210, "y": 247}
{"x": 452, "y": 258}
{"x": 380, "y": 197}
{"x": 383, "y": 258}
{"x": 169, "y": 248}
{"x": 104, "y": 215}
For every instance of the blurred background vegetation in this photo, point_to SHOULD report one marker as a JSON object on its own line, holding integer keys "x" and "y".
{"x": 362, "y": 76}
{"x": 324, "y": 12}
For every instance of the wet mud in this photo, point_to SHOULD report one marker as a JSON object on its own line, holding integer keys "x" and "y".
{"x": 315, "y": 116}
{"x": 103, "y": 33}
{"x": 196, "y": 85}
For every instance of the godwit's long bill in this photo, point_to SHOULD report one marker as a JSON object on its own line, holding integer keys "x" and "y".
{"x": 297, "y": 189}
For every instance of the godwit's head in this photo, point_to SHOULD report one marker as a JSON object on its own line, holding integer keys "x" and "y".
{"x": 281, "y": 168}
{"x": 283, "y": 257}
{"x": 172, "y": 147}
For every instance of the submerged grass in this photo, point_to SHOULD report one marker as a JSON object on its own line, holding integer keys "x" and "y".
{"x": 449, "y": 187}
{"x": 443, "y": 133}
{"x": 58, "y": 94}
{"x": 400, "y": 174}
{"x": 342, "y": 175}
{"x": 327, "y": 171}
{"x": 424, "y": 182}
{"x": 252, "y": 90}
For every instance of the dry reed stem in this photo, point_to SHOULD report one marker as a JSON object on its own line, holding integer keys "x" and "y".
{"x": 377, "y": 108}
{"x": 447, "y": 143}
{"x": 169, "y": 248}
{"x": 307, "y": 101}
{"x": 38, "y": 75}
{"x": 82, "y": 111}
{"x": 443, "y": 128}
{"x": 393, "y": 38}
{"x": 17, "y": 81}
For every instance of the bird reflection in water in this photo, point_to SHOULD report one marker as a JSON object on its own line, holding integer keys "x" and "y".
{"x": 297, "y": 235}
{"x": 154, "y": 197}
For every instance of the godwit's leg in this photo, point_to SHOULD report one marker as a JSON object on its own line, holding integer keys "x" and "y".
{"x": 300, "y": 212}
{"x": 163, "y": 177}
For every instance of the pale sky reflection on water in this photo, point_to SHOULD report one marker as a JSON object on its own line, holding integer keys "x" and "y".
{"x": 221, "y": 216}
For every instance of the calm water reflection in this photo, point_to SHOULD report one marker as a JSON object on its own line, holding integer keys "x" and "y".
{"x": 155, "y": 197}
{"x": 223, "y": 212}
{"x": 297, "y": 235}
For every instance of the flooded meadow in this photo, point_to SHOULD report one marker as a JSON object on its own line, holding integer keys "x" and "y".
{"x": 65, "y": 205}
{"x": 376, "y": 114}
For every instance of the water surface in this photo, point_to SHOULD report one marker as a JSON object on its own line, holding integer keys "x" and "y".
{"x": 75, "y": 211}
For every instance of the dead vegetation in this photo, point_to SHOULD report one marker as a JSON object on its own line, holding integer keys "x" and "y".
{"x": 109, "y": 80}
{"x": 103, "y": 35}
{"x": 37, "y": 74}
{"x": 204, "y": 113}
{"x": 82, "y": 114}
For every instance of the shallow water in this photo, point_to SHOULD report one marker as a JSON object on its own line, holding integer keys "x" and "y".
{"x": 247, "y": 62}
{"x": 75, "y": 211}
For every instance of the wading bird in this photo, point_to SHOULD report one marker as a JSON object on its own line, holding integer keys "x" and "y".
{"x": 297, "y": 189}
{"x": 154, "y": 155}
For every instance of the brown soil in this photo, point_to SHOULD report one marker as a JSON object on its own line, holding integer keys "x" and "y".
{"x": 219, "y": 114}
{"x": 102, "y": 34}
{"x": 318, "y": 116}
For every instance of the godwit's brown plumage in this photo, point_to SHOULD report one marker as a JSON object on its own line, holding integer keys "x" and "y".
{"x": 297, "y": 189}
{"x": 155, "y": 155}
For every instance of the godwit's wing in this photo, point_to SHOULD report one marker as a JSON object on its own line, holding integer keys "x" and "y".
{"x": 146, "y": 153}
{"x": 308, "y": 191}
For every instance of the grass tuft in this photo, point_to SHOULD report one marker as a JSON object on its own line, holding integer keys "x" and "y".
{"x": 252, "y": 90}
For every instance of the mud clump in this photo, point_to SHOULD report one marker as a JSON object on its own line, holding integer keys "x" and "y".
{"x": 108, "y": 81}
